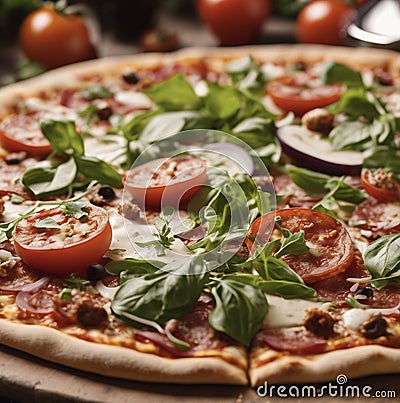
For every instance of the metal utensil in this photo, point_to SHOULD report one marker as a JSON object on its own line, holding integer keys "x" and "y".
{"x": 377, "y": 24}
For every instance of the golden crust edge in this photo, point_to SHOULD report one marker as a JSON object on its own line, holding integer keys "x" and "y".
{"x": 353, "y": 362}
{"x": 115, "y": 361}
{"x": 65, "y": 76}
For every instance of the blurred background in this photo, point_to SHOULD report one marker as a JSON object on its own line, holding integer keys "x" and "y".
{"x": 37, "y": 35}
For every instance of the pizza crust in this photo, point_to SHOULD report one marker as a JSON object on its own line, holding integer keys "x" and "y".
{"x": 114, "y": 361}
{"x": 307, "y": 53}
{"x": 353, "y": 363}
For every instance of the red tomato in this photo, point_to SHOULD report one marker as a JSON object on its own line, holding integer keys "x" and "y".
{"x": 293, "y": 93}
{"x": 22, "y": 132}
{"x": 167, "y": 182}
{"x": 323, "y": 21}
{"x": 54, "y": 39}
{"x": 71, "y": 247}
{"x": 380, "y": 185}
{"x": 234, "y": 22}
{"x": 331, "y": 249}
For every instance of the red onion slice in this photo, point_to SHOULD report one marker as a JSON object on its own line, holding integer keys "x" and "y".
{"x": 28, "y": 287}
{"x": 26, "y": 301}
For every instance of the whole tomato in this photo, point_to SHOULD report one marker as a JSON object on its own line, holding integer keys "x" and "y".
{"x": 55, "y": 39}
{"x": 323, "y": 21}
{"x": 234, "y": 22}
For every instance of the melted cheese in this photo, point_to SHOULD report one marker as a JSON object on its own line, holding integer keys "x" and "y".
{"x": 355, "y": 317}
{"x": 288, "y": 312}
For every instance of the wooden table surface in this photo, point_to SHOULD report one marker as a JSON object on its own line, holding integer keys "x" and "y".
{"x": 24, "y": 378}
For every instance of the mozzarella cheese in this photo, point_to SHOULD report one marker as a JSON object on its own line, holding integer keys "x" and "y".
{"x": 288, "y": 312}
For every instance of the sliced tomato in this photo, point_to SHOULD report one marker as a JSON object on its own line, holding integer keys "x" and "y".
{"x": 331, "y": 249}
{"x": 294, "y": 93}
{"x": 71, "y": 247}
{"x": 377, "y": 217}
{"x": 166, "y": 182}
{"x": 380, "y": 185}
{"x": 22, "y": 132}
{"x": 296, "y": 340}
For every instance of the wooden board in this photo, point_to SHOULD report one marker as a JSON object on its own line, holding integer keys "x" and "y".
{"x": 25, "y": 378}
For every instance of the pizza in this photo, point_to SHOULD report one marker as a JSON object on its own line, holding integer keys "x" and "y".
{"x": 227, "y": 216}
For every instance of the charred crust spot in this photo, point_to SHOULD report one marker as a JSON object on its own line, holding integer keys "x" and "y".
{"x": 319, "y": 323}
{"x": 374, "y": 327}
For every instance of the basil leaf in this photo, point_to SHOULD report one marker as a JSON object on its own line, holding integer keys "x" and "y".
{"x": 96, "y": 91}
{"x": 350, "y": 135}
{"x": 339, "y": 73}
{"x": 382, "y": 260}
{"x": 134, "y": 127}
{"x": 161, "y": 296}
{"x": 62, "y": 136}
{"x": 383, "y": 156}
{"x": 99, "y": 170}
{"x": 240, "y": 308}
{"x": 132, "y": 267}
{"x": 342, "y": 191}
{"x": 293, "y": 244}
{"x": 167, "y": 124}
{"x": 312, "y": 182}
{"x": 47, "y": 222}
{"x": 357, "y": 102}
{"x": 76, "y": 209}
{"x": 222, "y": 102}
{"x": 174, "y": 94}
{"x": 287, "y": 289}
{"x": 50, "y": 181}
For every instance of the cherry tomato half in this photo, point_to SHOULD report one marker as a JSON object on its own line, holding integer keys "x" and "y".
{"x": 22, "y": 132}
{"x": 54, "y": 39}
{"x": 331, "y": 248}
{"x": 69, "y": 247}
{"x": 167, "y": 182}
{"x": 293, "y": 93}
{"x": 380, "y": 185}
{"x": 323, "y": 21}
{"x": 234, "y": 22}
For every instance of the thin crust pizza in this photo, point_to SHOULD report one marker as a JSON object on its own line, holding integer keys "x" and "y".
{"x": 220, "y": 215}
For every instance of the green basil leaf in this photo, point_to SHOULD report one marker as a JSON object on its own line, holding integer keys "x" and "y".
{"x": 134, "y": 127}
{"x": 342, "y": 191}
{"x": 357, "y": 102}
{"x": 62, "y": 136}
{"x": 351, "y": 135}
{"x": 132, "y": 267}
{"x": 287, "y": 289}
{"x": 47, "y": 222}
{"x": 99, "y": 170}
{"x": 77, "y": 209}
{"x": 339, "y": 73}
{"x": 161, "y": 296}
{"x": 314, "y": 183}
{"x": 222, "y": 102}
{"x": 167, "y": 124}
{"x": 50, "y": 181}
{"x": 382, "y": 259}
{"x": 278, "y": 269}
{"x": 174, "y": 94}
{"x": 240, "y": 308}
{"x": 293, "y": 244}
{"x": 96, "y": 91}
{"x": 383, "y": 156}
